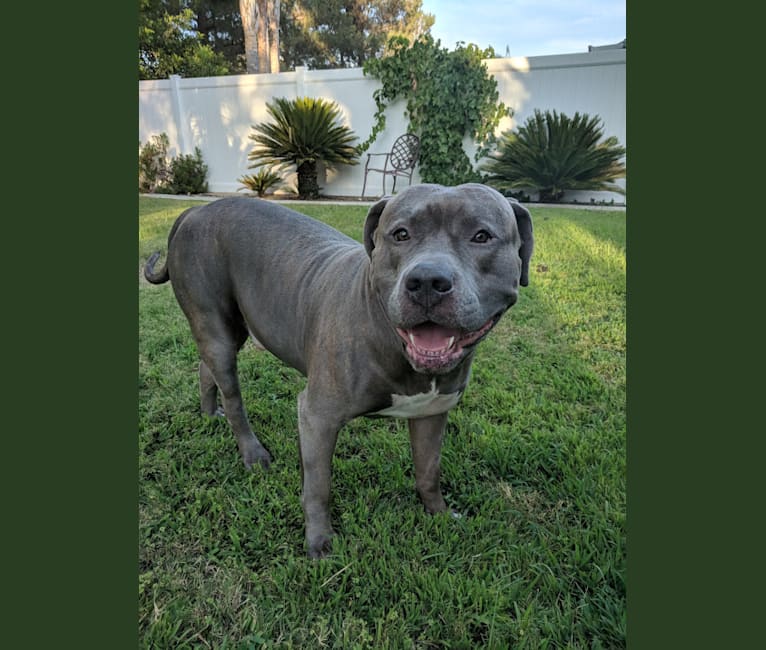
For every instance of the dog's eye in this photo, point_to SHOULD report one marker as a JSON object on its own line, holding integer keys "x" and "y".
{"x": 481, "y": 237}
{"x": 401, "y": 234}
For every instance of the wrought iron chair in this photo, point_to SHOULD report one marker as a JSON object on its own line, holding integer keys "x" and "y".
{"x": 400, "y": 161}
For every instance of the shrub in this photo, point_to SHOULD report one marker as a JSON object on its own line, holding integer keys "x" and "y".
{"x": 520, "y": 195}
{"x": 264, "y": 179}
{"x": 553, "y": 153}
{"x": 153, "y": 163}
{"x": 184, "y": 174}
{"x": 188, "y": 174}
{"x": 303, "y": 132}
{"x": 449, "y": 95}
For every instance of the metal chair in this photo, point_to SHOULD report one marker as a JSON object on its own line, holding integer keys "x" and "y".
{"x": 400, "y": 161}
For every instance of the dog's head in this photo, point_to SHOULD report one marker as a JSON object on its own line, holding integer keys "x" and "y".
{"x": 446, "y": 263}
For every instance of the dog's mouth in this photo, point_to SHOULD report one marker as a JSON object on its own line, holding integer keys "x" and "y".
{"x": 434, "y": 347}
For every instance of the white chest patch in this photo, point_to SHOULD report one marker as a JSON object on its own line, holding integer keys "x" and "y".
{"x": 421, "y": 405}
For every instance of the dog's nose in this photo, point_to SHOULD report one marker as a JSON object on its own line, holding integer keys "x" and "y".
{"x": 428, "y": 283}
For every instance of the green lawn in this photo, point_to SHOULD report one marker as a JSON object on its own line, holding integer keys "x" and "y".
{"x": 534, "y": 457}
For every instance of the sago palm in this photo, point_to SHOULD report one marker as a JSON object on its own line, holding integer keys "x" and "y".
{"x": 260, "y": 182}
{"x": 553, "y": 153}
{"x": 303, "y": 132}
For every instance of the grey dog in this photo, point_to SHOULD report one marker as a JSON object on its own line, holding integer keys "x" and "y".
{"x": 388, "y": 328}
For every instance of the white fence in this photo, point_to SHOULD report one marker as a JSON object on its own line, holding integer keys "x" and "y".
{"x": 216, "y": 113}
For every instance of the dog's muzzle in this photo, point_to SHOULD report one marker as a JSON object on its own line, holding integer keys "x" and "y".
{"x": 431, "y": 347}
{"x": 435, "y": 339}
{"x": 428, "y": 283}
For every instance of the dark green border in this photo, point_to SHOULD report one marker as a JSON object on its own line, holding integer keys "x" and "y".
{"x": 656, "y": 426}
{"x": 70, "y": 328}
{"x": 694, "y": 568}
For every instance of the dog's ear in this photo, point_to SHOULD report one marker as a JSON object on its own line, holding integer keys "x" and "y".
{"x": 371, "y": 223}
{"x": 524, "y": 222}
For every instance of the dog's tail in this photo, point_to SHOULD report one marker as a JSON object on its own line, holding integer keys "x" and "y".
{"x": 156, "y": 277}
{"x": 162, "y": 275}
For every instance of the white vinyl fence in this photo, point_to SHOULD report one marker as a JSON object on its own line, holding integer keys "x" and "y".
{"x": 216, "y": 113}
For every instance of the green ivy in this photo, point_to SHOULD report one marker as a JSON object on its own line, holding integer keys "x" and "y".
{"x": 449, "y": 96}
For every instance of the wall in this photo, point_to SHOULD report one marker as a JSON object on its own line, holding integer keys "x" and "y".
{"x": 217, "y": 113}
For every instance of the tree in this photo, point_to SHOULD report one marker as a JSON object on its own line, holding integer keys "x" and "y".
{"x": 260, "y": 23}
{"x": 552, "y": 153}
{"x": 211, "y": 37}
{"x": 346, "y": 33}
{"x": 169, "y": 44}
{"x": 304, "y": 131}
{"x": 220, "y": 24}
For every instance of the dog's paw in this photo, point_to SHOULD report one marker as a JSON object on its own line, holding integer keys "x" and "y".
{"x": 319, "y": 547}
{"x": 435, "y": 505}
{"x": 254, "y": 452}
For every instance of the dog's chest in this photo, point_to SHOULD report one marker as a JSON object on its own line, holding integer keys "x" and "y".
{"x": 420, "y": 405}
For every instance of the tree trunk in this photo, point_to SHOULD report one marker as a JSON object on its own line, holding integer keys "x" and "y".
{"x": 262, "y": 12}
{"x": 274, "y": 35}
{"x": 308, "y": 185}
{"x": 251, "y": 19}
{"x": 260, "y": 23}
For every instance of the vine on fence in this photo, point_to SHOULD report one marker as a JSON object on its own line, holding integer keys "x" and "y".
{"x": 449, "y": 95}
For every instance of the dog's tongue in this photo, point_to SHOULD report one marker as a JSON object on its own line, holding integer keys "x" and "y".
{"x": 430, "y": 336}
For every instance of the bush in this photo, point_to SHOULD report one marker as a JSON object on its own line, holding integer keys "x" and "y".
{"x": 184, "y": 174}
{"x": 153, "y": 163}
{"x": 264, "y": 179}
{"x": 188, "y": 174}
{"x": 520, "y": 195}
{"x": 553, "y": 153}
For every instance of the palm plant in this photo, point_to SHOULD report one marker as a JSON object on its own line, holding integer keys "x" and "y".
{"x": 260, "y": 182}
{"x": 553, "y": 153}
{"x": 303, "y": 132}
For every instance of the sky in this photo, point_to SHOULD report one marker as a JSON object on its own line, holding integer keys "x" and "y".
{"x": 528, "y": 27}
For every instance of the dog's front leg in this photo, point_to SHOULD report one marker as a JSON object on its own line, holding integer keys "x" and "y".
{"x": 426, "y": 441}
{"x": 318, "y": 433}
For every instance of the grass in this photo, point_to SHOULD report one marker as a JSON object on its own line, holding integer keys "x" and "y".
{"x": 534, "y": 457}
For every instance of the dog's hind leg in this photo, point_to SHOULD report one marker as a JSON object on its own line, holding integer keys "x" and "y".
{"x": 208, "y": 392}
{"x": 218, "y": 345}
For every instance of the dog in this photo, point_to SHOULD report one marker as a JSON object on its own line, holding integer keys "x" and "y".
{"x": 384, "y": 328}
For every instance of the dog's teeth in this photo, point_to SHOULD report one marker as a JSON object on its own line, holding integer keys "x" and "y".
{"x": 451, "y": 341}
{"x": 412, "y": 338}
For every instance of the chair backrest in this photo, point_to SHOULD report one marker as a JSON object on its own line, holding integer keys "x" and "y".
{"x": 404, "y": 153}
